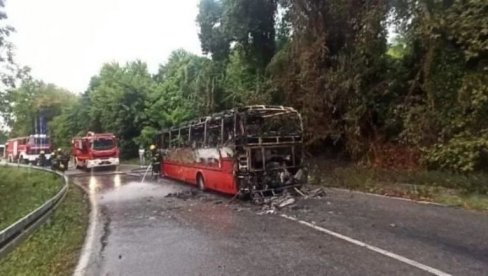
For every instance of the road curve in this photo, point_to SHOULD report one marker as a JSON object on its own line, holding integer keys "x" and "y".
{"x": 139, "y": 230}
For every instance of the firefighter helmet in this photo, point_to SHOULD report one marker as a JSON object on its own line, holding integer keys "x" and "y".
{"x": 59, "y": 149}
{"x": 152, "y": 147}
{"x": 42, "y": 152}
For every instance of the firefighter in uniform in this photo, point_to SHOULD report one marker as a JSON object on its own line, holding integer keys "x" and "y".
{"x": 155, "y": 160}
{"x": 42, "y": 159}
{"x": 54, "y": 159}
{"x": 63, "y": 160}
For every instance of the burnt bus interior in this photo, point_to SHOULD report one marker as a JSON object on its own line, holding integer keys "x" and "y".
{"x": 266, "y": 142}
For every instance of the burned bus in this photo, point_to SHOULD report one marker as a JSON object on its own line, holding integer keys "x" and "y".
{"x": 243, "y": 151}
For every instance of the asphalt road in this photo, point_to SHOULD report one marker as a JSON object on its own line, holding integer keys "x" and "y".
{"x": 137, "y": 229}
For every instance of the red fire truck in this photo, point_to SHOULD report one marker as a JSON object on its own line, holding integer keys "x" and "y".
{"x": 245, "y": 151}
{"x": 95, "y": 150}
{"x": 26, "y": 149}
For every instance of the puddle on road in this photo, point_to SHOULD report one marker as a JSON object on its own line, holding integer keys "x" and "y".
{"x": 136, "y": 190}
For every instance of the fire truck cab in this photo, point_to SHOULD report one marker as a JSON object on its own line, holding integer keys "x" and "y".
{"x": 95, "y": 150}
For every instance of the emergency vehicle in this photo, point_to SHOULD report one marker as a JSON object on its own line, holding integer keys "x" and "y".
{"x": 27, "y": 149}
{"x": 95, "y": 150}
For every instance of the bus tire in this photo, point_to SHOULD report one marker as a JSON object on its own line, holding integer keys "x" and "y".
{"x": 201, "y": 182}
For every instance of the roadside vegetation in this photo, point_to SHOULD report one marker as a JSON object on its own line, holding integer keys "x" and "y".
{"x": 54, "y": 248}
{"x": 22, "y": 191}
{"x": 467, "y": 191}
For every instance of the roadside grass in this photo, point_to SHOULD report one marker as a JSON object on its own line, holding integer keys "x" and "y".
{"x": 54, "y": 248}
{"x": 467, "y": 191}
{"x": 22, "y": 191}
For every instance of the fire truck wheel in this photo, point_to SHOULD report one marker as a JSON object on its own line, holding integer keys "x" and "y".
{"x": 201, "y": 182}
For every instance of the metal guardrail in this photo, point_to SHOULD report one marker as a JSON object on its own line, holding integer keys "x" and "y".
{"x": 18, "y": 231}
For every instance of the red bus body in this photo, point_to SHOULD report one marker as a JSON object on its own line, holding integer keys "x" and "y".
{"x": 27, "y": 149}
{"x": 95, "y": 150}
{"x": 217, "y": 172}
{"x": 232, "y": 154}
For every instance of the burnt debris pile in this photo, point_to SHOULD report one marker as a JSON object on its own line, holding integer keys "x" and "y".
{"x": 286, "y": 199}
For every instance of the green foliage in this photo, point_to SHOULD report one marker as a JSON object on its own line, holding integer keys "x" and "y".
{"x": 3, "y": 136}
{"x": 22, "y": 191}
{"x": 463, "y": 154}
{"x": 185, "y": 88}
{"x": 73, "y": 121}
{"x": 333, "y": 70}
{"x": 9, "y": 71}
{"x": 118, "y": 96}
{"x": 55, "y": 247}
{"x": 30, "y": 99}
{"x": 212, "y": 36}
{"x": 445, "y": 106}
{"x": 250, "y": 23}
{"x": 243, "y": 83}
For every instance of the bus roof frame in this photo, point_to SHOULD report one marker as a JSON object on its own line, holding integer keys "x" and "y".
{"x": 271, "y": 110}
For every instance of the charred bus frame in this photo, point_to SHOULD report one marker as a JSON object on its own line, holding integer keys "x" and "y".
{"x": 263, "y": 160}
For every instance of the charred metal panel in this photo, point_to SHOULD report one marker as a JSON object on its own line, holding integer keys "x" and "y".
{"x": 265, "y": 143}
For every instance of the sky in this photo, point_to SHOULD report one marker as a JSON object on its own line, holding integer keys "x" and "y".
{"x": 66, "y": 42}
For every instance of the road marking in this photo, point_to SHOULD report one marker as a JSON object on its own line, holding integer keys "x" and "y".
{"x": 86, "y": 251}
{"x": 371, "y": 247}
{"x": 390, "y": 197}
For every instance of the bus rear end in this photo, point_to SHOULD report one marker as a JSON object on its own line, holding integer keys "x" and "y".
{"x": 269, "y": 150}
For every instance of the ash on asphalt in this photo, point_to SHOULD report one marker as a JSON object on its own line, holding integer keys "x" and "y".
{"x": 289, "y": 201}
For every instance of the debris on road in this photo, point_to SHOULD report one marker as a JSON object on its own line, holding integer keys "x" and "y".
{"x": 317, "y": 193}
{"x": 184, "y": 195}
{"x": 299, "y": 192}
{"x": 287, "y": 199}
{"x": 286, "y": 202}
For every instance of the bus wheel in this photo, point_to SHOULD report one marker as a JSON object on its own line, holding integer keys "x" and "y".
{"x": 201, "y": 182}
{"x": 243, "y": 196}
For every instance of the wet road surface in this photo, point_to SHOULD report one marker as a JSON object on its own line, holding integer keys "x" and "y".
{"x": 139, "y": 230}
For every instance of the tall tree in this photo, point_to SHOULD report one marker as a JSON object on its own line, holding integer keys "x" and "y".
{"x": 117, "y": 96}
{"x": 251, "y": 23}
{"x": 332, "y": 70}
{"x": 34, "y": 98}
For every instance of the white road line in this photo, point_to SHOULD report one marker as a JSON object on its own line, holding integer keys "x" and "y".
{"x": 390, "y": 197}
{"x": 371, "y": 247}
{"x": 86, "y": 251}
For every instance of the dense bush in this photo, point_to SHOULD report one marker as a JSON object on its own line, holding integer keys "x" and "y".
{"x": 461, "y": 154}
